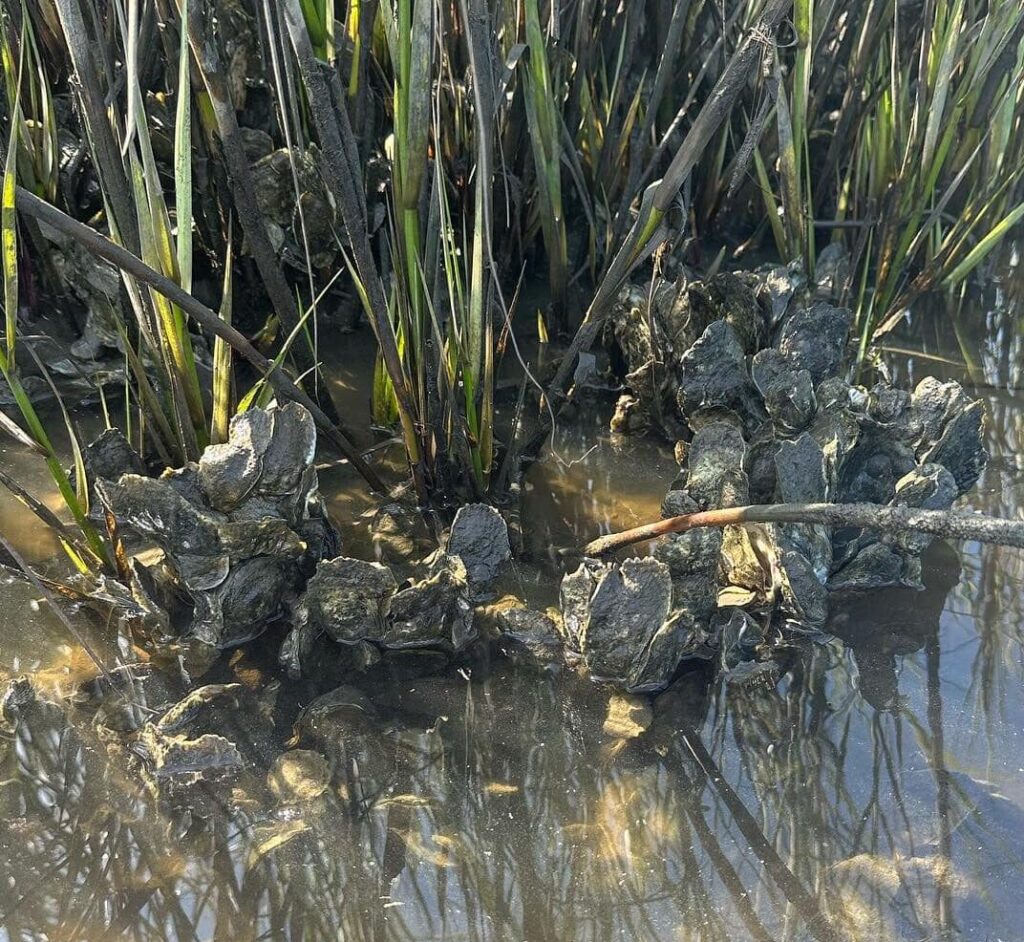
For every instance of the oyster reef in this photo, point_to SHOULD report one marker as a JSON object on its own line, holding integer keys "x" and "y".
{"x": 742, "y": 373}
{"x": 749, "y": 381}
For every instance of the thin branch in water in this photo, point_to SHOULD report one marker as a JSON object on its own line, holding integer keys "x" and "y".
{"x": 48, "y": 517}
{"x": 59, "y": 612}
{"x": 814, "y": 918}
{"x": 949, "y": 524}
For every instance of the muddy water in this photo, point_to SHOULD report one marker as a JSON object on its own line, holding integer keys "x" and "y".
{"x": 872, "y": 786}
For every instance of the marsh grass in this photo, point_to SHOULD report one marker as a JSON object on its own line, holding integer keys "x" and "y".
{"x": 896, "y": 131}
{"x": 923, "y": 161}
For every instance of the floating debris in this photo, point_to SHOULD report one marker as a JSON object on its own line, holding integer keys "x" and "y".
{"x": 404, "y": 801}
{"x": 500, "y": 788}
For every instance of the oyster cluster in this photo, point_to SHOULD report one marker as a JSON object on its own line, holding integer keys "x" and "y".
{"x": 619, "y": 623}
{"x": 276, "y": 173}
{"x": 244, "y": 539}
{"x": 360, "y": 604}
{"x": 748, "y": 381}
{"x": 239, "y": 531}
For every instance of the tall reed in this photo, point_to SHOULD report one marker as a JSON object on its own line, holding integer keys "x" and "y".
{"x": 921, "y": 174}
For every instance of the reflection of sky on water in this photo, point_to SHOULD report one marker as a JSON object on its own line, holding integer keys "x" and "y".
{"x": 872, "y": 788}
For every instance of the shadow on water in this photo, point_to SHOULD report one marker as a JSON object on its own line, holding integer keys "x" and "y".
{"x": 868, "y": 785}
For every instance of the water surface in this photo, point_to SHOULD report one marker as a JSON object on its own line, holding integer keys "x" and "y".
{"x": 870, "y": 786}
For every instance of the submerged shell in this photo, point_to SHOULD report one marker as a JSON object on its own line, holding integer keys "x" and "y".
{"x": 627, "y": 717}
{"x": 299, "y": 775}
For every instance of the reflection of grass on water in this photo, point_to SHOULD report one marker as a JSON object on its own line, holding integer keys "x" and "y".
{"x": 985, "y": 332}
{"x": 467, "y": 827}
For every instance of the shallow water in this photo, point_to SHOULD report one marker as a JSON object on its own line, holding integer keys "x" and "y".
{"x": 871, "y": 787}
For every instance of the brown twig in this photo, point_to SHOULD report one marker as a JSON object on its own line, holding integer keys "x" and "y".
{"x": 101, "y": 246}
{"x": 951, "y": 524}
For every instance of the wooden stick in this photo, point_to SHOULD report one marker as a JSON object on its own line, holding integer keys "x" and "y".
{"x": 101, "y": 246}
{"x": 952, "y": 524}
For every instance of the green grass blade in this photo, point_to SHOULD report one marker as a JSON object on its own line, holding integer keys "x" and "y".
{"x": 985, "y": 246}
{"x": 222, "y": 360}
{"x": 183, "y": 157}
{"x": 9, "y": 231}
{"x": 81, "y": 477}
{"x": 131, "y": 42}
{"x": 53, "y": 464}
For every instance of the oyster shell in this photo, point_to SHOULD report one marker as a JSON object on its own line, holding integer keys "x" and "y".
{"x": 241, "y": 530}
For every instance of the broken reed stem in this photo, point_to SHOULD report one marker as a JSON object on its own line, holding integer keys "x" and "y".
{"x": 342, "y": 173}
{"x": 101, "y": 246}
{"x": 950, "y": 524}
{"x": 105, "y": 151}
{"x": 199, "y": 27}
